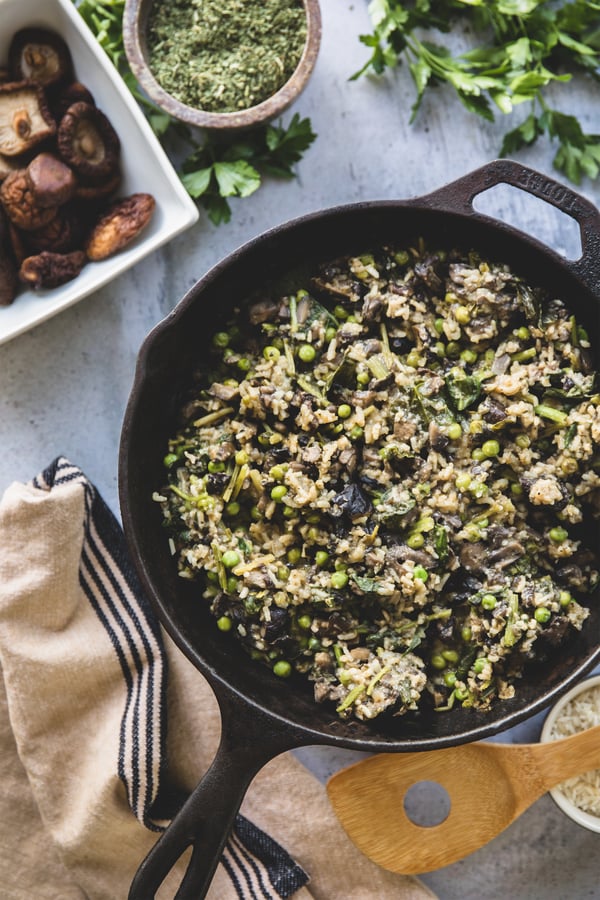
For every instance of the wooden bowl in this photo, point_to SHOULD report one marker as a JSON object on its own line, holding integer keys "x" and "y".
{"x": 135, "y": 21}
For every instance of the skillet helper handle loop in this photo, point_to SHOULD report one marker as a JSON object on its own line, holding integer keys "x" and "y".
{"x": 458, "y": 196}
{"x": 248, "y": 742}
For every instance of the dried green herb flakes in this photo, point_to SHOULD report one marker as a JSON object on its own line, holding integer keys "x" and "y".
{"x": 225, "y": 55}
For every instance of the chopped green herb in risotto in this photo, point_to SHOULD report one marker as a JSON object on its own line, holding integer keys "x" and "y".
{"x": 386, "y": 481}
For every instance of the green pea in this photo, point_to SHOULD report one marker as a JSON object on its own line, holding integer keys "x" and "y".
{"x": 344, "y": 411}
{"x": 468, "y": 356}
{"x": 293, "y": 555}
{"x": 232, "y": 585}
{"x": 170, "y": 460}
{"x": 282, "y": 573}
{"x": 314, "y": 643}
{"x": 221, "y": 340}
{"x": 461, "y": 693}
{"x": 415, "y": 541}
{"x": 278, "y": 492}
{"x": 463, "y": 481}
{"x": 421, "y": 573}
{"x": 516, "y": 489}
{"x": 305, "y": 622}
{"x": 439, "y": 325}
{"x": 289, "y": 512}
{"x": 224, "y": 623}
{"x": 230, "y": 559}
{"x": 478, "y": 489}
{"x": 477, "y": 454}
{"x": 363, "y": 378}
{"x": 523, "y": 441}
{"x": 255, "y": 514}
{"x": 282, "y": 668}
{"x": 488, "y": 601}
{"x": 356, "y": 433}
{"x": 522, "y": 333}
{"x": 565, "y": 598}
{"x": 454, "y": 431}
{"x": 215, "y": 465}
{"x": 277, "y": 473}
{"x": 558, "y": 535}
{"x": 271, "y": 352}
{"x": 450, "y": 656}
{"x": 321, "y": 557}
{"x": 438, "y": 661}
{"x": 466, "y": 633}
{"x": 264, "y": 439}
{"x": 413, "y": 359}
{"x": 339, "y": 580}
{"x": 490, "y": 448}
{"x": 450, "y": 679}
{"x": 339, "y": 312}
{"x": 440, "y": 348}
{"x": 542, "y": 614}
{"x": 233, "y": 508}
{"x": 330, "y": 333}
{"x": 462, "y": 315}
{"x": 306, "y": 352}
{"x": 243, "y": 364}
{"x": 453, "y": 349}
{"x": 479, "y": 665}
{"x": 241, "y": 458}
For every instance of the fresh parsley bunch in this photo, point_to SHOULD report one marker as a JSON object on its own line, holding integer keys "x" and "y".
{"x": 521, "y": 47}
{"x": 215, "y": 168}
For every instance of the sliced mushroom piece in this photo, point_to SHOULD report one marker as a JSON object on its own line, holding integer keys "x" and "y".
{"x": 24, "y": 118}
{"x": 122, "y": 222}
{"x": 52, "y": 182}
{"x": 20, "y": 205}
{"x": 88, "y": 143}
{"x": 48, "y": 270}
{"x": 18, "y": 243}
{"x": 39, "y": 55}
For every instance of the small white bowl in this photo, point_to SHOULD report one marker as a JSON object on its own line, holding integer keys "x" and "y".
{"x": 144, "y": 164}
{"x": 587, "y": 820}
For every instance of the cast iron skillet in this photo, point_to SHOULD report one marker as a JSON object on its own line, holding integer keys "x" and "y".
{"x": 261, "y": 715}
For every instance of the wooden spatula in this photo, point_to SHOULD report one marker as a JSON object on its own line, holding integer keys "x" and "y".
{"x": 489, "y": 786}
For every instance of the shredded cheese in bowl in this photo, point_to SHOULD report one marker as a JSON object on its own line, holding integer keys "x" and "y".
{"x": 578, "y": 710}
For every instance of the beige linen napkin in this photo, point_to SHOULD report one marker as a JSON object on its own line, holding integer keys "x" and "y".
{"x": 84, "y": 748}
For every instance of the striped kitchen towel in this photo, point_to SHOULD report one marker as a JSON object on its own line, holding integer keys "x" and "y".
{"x": 89, "y": 684}
{"x": 256, "y": 865}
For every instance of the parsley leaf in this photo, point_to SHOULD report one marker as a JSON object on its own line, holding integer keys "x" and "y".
{"x": 520, "y": 48}
{"x": 215, "y": 168}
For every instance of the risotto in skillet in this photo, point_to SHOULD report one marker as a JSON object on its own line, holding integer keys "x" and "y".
{"x": 387, "y": 481}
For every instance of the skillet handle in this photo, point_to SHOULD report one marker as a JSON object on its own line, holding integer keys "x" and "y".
{"x": 458, "y": 196}
{"x": 249, "y": 739}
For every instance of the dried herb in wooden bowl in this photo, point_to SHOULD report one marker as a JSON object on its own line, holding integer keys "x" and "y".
{"x": 225, "y": 55}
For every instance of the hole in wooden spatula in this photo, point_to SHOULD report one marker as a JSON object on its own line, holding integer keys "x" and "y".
{"x": 427, "y": 803}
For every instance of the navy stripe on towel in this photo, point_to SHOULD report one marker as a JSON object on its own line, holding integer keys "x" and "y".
{"x": 259, "y": 868}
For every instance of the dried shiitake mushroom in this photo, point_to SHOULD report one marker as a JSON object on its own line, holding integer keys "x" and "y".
{"x": 52, "y": 182}
{"x": 39, "y": 55}
{"x": 8, "y": 267}
{"x": 68, "y": 94}
{"x": 20, "y": 204}
{"x": 24, "y": 117}
{"x": 88, "y": 142}
{"x": 119, "y": 225}
{"x": 48, "y": 270}
{"x": 99, "y": 190}
{"x": 62, "y": 234}
{"x": 6, "y": 167}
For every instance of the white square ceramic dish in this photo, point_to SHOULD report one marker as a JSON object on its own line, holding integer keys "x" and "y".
{"x": 144, "y": 163}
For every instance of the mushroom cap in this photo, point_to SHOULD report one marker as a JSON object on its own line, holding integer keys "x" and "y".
{"x": 119, "y": 225}
{"x": 20, "y": 205}
{"x": 52, "y": 182}
{"x": 40, "y": 56}
{"x": 88, "y": 143}
{"x": 24, "y": 117}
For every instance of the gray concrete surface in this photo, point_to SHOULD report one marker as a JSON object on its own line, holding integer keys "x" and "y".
{"x": 64, "y": 385}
